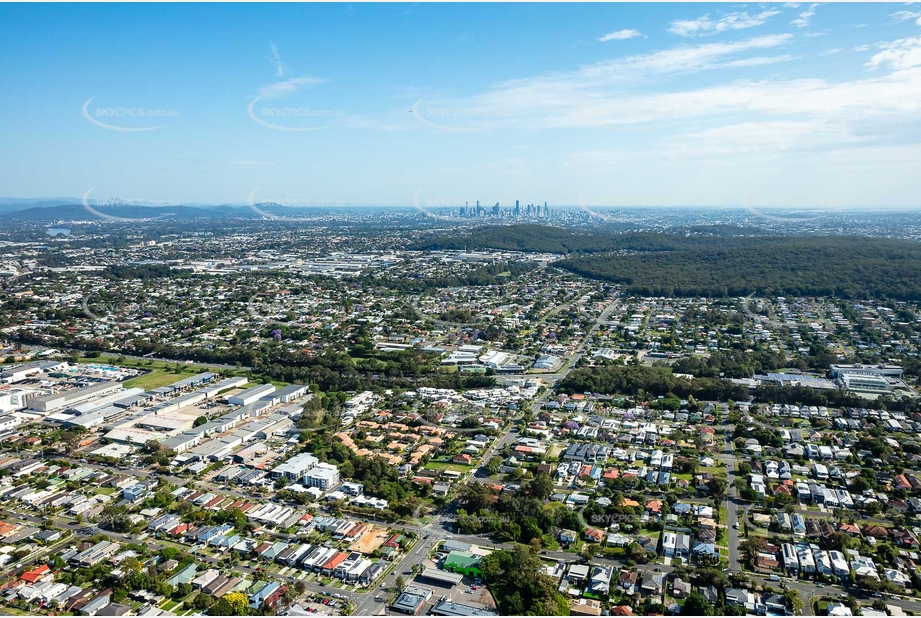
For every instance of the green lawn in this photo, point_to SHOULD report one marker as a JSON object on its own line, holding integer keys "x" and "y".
{"x": 154, "y": 379}
{"x": 160, "y": 373}
{"x": 443, "y": 465}
{"x": 112, "y": 359}
{"x": 549, "y": 543}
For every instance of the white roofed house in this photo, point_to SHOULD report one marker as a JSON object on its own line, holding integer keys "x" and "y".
{"x": 599, "y": 582}
{"x": 806, "y": 560}
{"x": 205, "y": 578}
{"x": 864, "y": 567}
{"x": 822, "y": 562}
{"x": 839, "y": 564}
{"x": 757, "y": 484}
{"x": 897, "y": 577}
{"x": 790, "y": 559}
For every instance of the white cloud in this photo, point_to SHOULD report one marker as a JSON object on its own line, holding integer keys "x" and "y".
{"x": 830, "y": 52}
{"x": 703, "y": 25}
{"x": 280, "y": 67}
{"x": 681, "y": 59}
{"x": 900, "y": 54}
{"x": 570, "y": 99}
{"x": 906, "y": 16}
{"x": 791, "y": 5}
{"x": 620, "y": 35}
{"x": 757, "y": 61}
{"x": 805, "y": 17}
{"x": 278, "y": 89}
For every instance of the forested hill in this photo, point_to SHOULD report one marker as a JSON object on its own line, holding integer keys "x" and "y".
{"x": 546, "y": 239}
{"x": 842, "y": 266}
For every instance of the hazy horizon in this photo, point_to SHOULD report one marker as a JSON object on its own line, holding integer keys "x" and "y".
{"x": 772, "y": 105}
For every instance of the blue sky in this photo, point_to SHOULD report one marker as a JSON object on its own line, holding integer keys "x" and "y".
{"x": 795, "y": 104}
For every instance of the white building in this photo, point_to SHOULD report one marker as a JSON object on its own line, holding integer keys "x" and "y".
{"x": 296, "y": 467}
{"x": 322, "y": 476}
{"x": 251, "y": 395}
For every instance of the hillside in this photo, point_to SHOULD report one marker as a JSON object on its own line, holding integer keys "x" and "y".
{"x": 847, "y": 267}
{"x": 547, "y": 239}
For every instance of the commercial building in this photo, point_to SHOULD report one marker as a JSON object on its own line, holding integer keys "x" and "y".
{"x": 412, "y": 600}
{"x": 450, "y": 608}
{"x": 860, "y": 383}
{"x": 888, "y": 371}
{"x": 546, "y": 362}
{"x": 67, "y": 399}
{"x": 290, "y": 393}
{"x": 27, "y": 370}
{"x": 463, "y": 562}
{"x": 322, "y": 476}
{"x": 251, "y": 395}
{"x": 297, "y": 467}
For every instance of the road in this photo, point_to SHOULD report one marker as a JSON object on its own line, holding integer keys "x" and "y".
{"x": 435, "y": 531}
{"x": 732, "y": 501}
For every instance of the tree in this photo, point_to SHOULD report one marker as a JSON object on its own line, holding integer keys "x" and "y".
{"x": 541, "y": 486}
{"x": 697, "y": 605}
{"x": 232, "y": 604}
{"x": 525, "y": 589}
{"x": 794, "y": 603}
{"x": 880, "y": 605}
{"x": 400, "y": 583}
{"x": 202, "y": 601}
{"x": 636, "y": 552}
{"x": 717, "y": 485}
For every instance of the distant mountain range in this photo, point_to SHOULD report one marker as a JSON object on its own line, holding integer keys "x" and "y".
{"x": 72, "y": 209}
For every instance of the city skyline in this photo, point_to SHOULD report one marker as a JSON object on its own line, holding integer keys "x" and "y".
{"x": 784, "y": 105}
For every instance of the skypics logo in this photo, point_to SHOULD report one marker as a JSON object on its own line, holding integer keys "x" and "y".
{"x": 450, "y": 522}
{"x": 118, "y": 202}
{"x": 427, "y": 208}
{"x": 290, "y": 118}
{"x": 123, "y": 116}
{"x": 449, "y": 428}
{"x": 436, "y": 117}
{"x": 259, "y": 208}
{"x": 124, "y": 312}
{"x": 263, "y": 307}
{"x": 757, "y": 116}
{"x": 780, "y": 218}
{"x": 271, "y": 117}
{"x": 605, "y": 520}
{"x": 595, "y": 213}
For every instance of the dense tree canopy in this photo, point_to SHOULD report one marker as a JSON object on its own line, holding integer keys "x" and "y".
{"x": 843, "y": 267}
{"x": 520, "y": 585}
